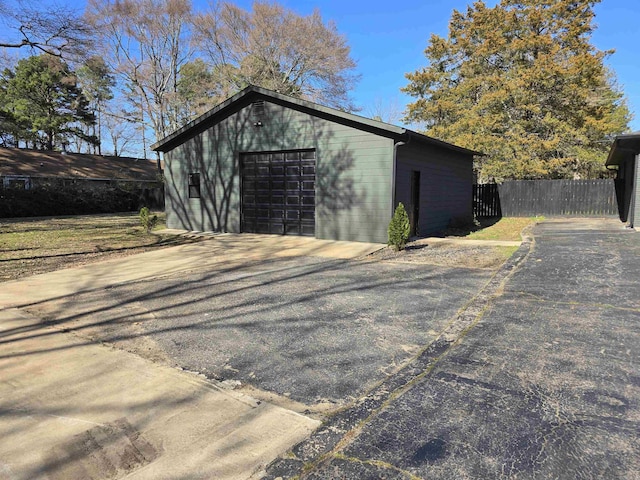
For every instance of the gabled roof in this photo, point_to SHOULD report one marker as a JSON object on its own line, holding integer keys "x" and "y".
{"x": 254, "y": 93}
{"x": 624, "y": 147}
{"x": 39, "y": 163}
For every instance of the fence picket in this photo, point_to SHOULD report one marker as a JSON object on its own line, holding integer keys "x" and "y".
{"x": 546, "y": 197}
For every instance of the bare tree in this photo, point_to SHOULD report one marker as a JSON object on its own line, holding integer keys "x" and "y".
{"x": 122, "y": 133}
{"x": 278, "y": 49}
{"x": 56, "y": 30}
{"x": 146, "y": 43}
{"x": 385, "y": 110}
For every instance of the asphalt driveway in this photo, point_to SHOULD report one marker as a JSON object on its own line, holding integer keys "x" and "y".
{"x": 316, "y": 331}
{"x": 545, "y": 385}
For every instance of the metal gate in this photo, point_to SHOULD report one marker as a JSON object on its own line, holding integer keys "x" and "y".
{"x": 278, "y": 192}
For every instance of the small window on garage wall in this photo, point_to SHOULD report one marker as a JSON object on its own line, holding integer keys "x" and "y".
{"x": 194, "y": 185}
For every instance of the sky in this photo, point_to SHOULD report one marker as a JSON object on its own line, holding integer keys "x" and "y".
{"x": 388, "y": 38}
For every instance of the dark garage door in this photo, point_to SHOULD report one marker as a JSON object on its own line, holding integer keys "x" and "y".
{"x": 278, "y": 192}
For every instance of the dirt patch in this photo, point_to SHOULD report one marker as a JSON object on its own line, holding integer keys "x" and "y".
{"x": 103, "y": 452}
{"x": 126, "y": 332}
{"x": 447, "y": 255}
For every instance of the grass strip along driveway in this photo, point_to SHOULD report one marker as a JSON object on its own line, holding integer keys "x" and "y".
{"x": 32, "y": 246}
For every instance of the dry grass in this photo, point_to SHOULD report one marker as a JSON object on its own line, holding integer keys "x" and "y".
{"x": 508, "y": 229}
{"x": 32, "y": 246}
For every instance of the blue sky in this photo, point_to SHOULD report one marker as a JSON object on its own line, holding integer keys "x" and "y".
{"x": 388, "y": 39}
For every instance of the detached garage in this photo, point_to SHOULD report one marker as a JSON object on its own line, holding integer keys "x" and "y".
{"x": 262, "y": 162}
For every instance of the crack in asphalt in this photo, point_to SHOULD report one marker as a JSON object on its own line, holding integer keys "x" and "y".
{"x": 339, "y": 431}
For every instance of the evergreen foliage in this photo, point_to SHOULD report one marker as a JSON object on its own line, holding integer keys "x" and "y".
{"x": 42, "y": 105}
{"x": 522, "y": 83}
{"x": 399, "y": 228}
{"x": 147, "y": 220}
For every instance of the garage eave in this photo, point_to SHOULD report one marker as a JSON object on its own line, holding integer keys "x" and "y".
{"x": 623, "y": 147}
{"x": 443, "y": 144}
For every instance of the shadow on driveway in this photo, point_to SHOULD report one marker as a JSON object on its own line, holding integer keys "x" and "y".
{"x": 317, "y": 331}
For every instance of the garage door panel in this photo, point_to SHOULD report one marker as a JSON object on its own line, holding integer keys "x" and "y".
{"x": 278, "y": 192}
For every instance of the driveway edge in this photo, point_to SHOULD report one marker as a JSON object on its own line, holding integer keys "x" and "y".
{"x": 341, "y": 428}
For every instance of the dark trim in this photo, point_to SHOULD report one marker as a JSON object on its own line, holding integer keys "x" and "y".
{"x": 394, "y": 173}
{"x": 622, "y": 148}
{"x": 634, "y": 192}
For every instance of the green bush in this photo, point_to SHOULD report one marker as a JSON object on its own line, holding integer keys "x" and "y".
{"x": 147, "y": 220}
{"x": 399, "y": 228}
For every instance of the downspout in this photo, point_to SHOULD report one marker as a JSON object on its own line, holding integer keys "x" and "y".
{"x": 393, "y": 174}
{"x": 634, "y": 193}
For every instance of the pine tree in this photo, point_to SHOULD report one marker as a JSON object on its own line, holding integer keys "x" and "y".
{"x": 43, "y": 97}
{"x": 522, "y": 83}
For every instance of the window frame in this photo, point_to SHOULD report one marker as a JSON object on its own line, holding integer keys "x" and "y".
{"x": 193, "y": 181}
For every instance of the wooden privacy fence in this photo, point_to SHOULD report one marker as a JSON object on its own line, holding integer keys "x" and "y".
{"x": 546, "y": 197}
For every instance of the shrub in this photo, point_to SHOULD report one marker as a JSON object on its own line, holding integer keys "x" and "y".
{"x": 147, "y": 220}
{"x": 54, "y": 197}
{"x": 399, "y": 228}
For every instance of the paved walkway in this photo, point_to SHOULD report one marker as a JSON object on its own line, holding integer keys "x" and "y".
{"x": 73, "y": 409}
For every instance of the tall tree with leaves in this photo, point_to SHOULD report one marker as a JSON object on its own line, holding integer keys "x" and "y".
{"x": 275, "y": 48}
{"x": 46, "y": 104}
{"x": 11, "y": 131}
{"x": 199, "y": 88}
{"x": 521, "y": 82}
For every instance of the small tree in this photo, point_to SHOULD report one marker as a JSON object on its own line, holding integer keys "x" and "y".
{"x": 399, "y": 228}
{"x": 147, "y": 220}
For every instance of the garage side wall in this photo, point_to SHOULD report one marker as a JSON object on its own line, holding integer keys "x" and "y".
{"x": 446, "y": 185}
{"x": 353, "y": 172}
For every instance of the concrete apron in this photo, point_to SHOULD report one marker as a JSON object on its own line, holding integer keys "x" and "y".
{"x": 71, "y": 409}
{"x": 225, "y": 249}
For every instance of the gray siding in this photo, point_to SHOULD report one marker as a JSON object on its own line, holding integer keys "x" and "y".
{"x": 446, "y": 180}
{"x": 353, "y": 173}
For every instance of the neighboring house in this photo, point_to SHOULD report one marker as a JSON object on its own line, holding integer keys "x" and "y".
{"x": 263, "y": 162}
{"x": 625, "y": 157}
{"x": 27, "y": 169}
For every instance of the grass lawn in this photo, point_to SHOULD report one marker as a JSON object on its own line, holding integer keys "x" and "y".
{"x": 506, "y": 228}
{"x": 30, "y": 246}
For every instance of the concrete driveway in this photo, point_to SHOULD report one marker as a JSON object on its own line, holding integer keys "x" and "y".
{"x": 74, "y": 408}
{"x": 543, "y": 383}
{"x": 298, "y": 324}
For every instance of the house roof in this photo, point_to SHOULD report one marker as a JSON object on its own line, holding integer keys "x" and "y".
{"x": 623, "y": 148}
{"x": 253, "y": 93}
{"x": 39, "y": 163}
